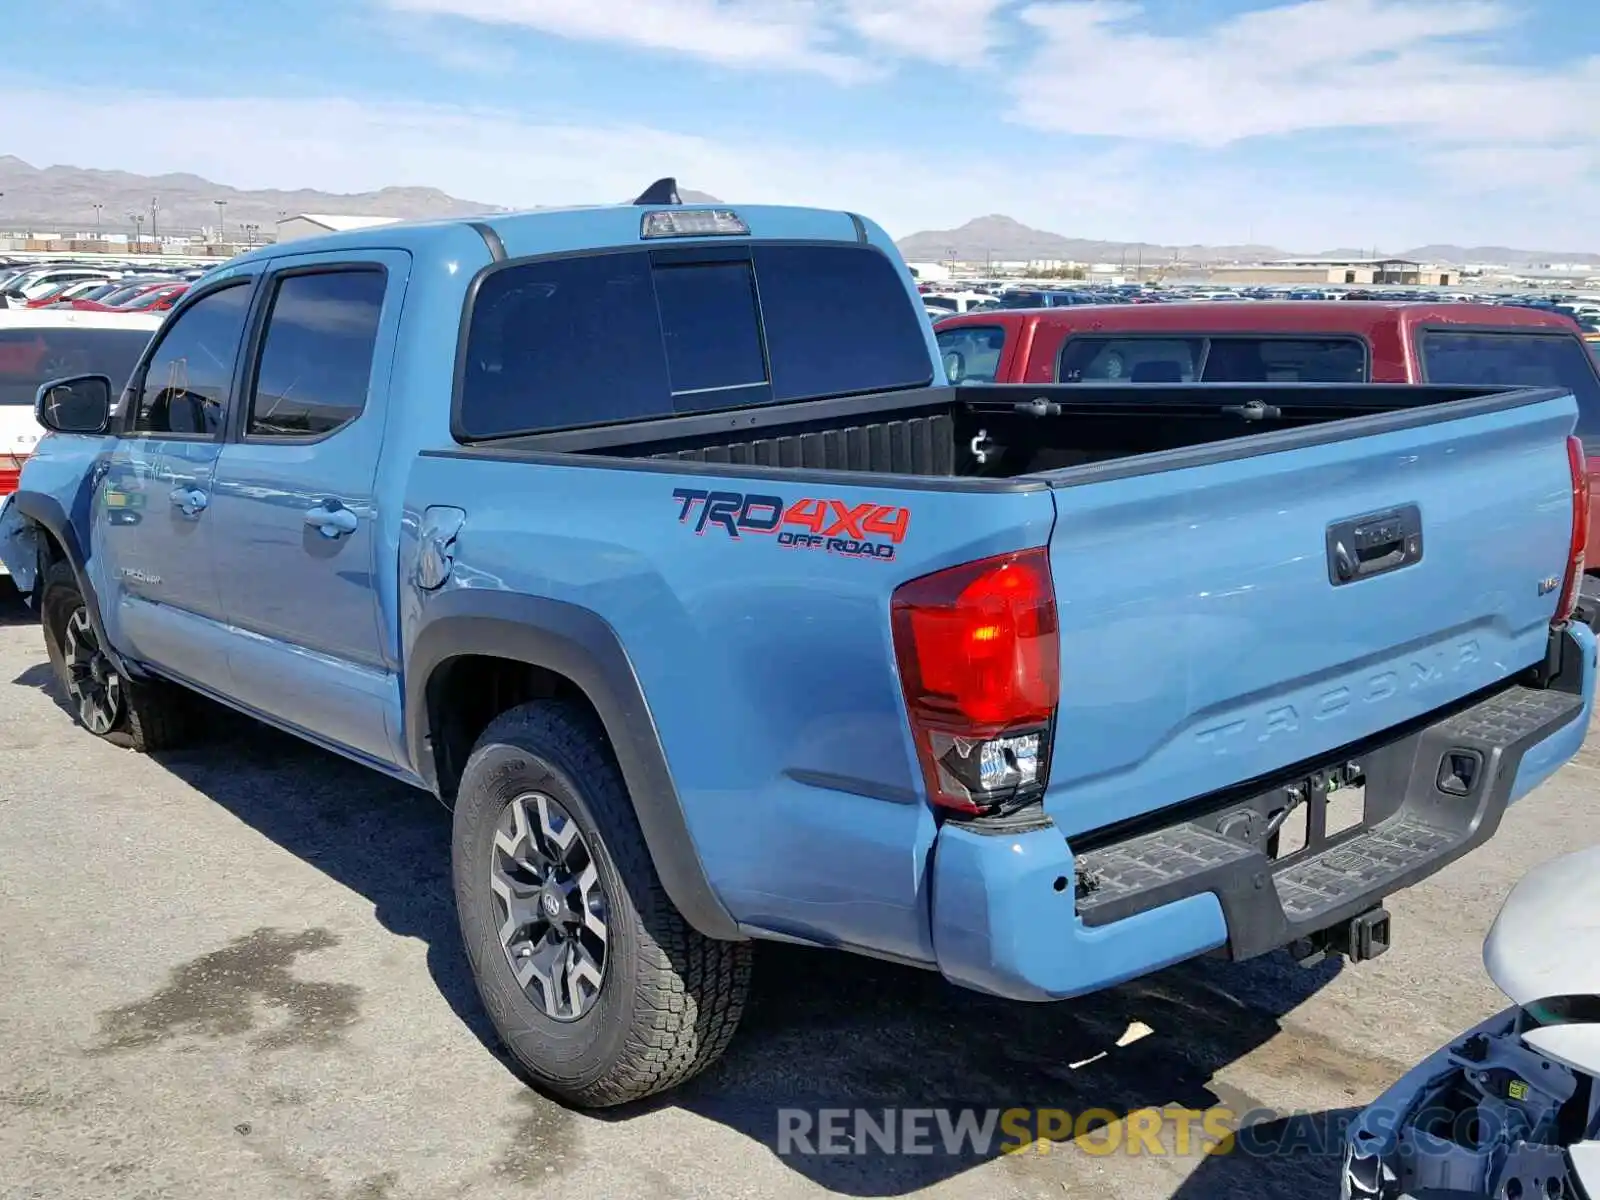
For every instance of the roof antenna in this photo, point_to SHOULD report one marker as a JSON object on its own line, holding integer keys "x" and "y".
{"x": 662, "y": 191}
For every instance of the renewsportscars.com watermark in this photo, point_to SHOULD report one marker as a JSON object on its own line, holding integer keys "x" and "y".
{"x": 983, "y": 1132}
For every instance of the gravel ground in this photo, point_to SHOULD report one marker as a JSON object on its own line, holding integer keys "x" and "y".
{"x": 234, "y": 972}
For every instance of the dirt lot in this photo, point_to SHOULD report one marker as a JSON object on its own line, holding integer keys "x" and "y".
{"x": 234, "y": 973}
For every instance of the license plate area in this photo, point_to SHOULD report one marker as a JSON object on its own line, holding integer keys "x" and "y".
{"x": 1299, "y": 816}
{"x": 1313, "y": 813}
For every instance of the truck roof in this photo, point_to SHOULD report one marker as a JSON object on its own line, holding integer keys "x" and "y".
{"x": 1358, "y": 317}
{"x": 559, "y": 230}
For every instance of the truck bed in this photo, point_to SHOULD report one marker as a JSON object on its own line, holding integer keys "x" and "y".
{"x": 1000, "y": 432}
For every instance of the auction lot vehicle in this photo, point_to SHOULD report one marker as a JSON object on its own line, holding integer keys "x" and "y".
{"x": 1378, "y": 341}
{"x": 653, "y": 539}
{"x": 39, "y": 346}
{"x": 1511, "y": 1108}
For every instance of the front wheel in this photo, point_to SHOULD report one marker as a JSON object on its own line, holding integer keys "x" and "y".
{"x": 595, "y": 983}
{"x": 143, "y": 716}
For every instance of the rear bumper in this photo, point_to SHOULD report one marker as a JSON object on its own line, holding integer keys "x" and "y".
{"x": 1017, "y": 913}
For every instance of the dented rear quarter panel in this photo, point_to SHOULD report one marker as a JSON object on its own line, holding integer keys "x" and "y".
{"x": 769, "y": 669}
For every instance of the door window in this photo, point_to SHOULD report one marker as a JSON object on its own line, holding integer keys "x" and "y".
{"x": 316, "y": 354}
{"x": 186, "y": 383}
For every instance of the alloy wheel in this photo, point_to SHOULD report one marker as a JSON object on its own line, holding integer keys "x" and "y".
{"x": 553, "y": 911}
{"x": 92, "y": 680}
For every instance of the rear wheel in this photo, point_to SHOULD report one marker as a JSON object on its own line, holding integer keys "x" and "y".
{"x": 141, "y": 715}
{"x": 595, "y": 983}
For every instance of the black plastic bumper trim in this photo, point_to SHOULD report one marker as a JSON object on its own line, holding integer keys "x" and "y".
{"x": 1411, "y": 828}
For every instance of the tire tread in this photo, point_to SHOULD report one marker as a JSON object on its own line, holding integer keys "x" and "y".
{"x": 691, "y": 989}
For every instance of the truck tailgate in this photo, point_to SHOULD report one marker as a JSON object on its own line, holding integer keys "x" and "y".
{"x": 1205, "y": 642}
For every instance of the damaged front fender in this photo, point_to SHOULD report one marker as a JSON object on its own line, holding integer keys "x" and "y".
{"x": 19, "y": 546}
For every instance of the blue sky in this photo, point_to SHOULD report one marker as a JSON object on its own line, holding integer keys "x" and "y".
{"x": 1305, "y": 123}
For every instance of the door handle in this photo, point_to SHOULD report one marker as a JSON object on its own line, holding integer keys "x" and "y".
{"x": 190, "y": 501}
{"x": 331, "y": 519}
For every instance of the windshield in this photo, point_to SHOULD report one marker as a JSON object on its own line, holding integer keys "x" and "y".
{"x": 1516, "y": 360}
{"x": 30, "y": 357}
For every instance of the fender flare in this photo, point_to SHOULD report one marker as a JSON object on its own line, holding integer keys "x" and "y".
{"x": 46, "y": 512}
{"x": 579, "y": 644}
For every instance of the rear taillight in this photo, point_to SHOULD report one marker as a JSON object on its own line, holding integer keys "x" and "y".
{"x": 1580, "y": 530}
{"x": 979, "y": 656}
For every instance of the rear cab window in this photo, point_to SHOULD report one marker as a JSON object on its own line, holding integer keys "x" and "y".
{"x": 1516, "y": 359}
{"x": 630, "y": 335}
{"x": 971, "y": 353}
{"x": 1207, "y": 359}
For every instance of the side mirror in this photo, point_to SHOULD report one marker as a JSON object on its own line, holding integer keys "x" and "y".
{"x": 79, "y": 404}
{"x": 955, "y": 366}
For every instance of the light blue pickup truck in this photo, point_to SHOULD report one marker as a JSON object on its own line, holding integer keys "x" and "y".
{"x": 651, "y": 538}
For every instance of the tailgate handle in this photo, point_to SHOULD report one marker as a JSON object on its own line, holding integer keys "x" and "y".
{"x": 1374, "y": 544}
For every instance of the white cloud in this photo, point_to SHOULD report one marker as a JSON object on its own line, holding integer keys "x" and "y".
{"x": 731, "y": 33}
{"x": 1419, "y": 66}
{"x": 1127, "y": 192}
{"x": 949, "y": 32}
{"x": 841, "y": 39}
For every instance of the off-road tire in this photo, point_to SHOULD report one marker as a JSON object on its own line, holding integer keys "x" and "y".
{"x": 670, "y": 999}
{"x": 154, "y": 715}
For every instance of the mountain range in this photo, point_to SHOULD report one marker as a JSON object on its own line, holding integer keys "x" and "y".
{"x": 62, "y": 199}
{"x": 1000, "y": 238}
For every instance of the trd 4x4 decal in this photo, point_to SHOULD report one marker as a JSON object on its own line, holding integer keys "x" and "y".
{"x": 833, "y": 526}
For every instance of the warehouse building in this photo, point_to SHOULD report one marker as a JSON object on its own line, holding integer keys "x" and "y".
{"x": 304, "y": 225}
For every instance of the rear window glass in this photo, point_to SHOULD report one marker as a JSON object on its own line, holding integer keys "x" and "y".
{"x": 1284, "y": 360}
{"x": 636, "y": 334}
{"x": 1130, "y": 360}
{"x": 1516, "y": 360}
{"x": 710, "y": 327}
{"x": 971, "y": 353}
{"x": 30, "y": 357}
{"x": 1212, "y": 360}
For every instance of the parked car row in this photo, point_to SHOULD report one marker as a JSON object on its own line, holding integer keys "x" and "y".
{"x": 93, "y": 287}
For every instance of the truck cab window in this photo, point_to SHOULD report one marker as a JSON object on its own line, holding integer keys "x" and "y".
{"x": 186, "y": 383}
{"x": 1285, "y": 360}
{"x": 1130, "y": 360}
{"x": 624, "y": 335}
{"x": 971, "y": 353}
{"x": 1516, "y": 360}
{"x": 316, "y": 354}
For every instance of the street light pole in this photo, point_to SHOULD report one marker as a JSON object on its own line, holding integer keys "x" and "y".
{"x": 97, "y": 208}
{"x": 222, "y": 206}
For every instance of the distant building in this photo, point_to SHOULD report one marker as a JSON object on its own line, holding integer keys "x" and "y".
{"x": 929, "y": 272}
{"x": 1370, "y": 270}
{"x": 304, "y": 225}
